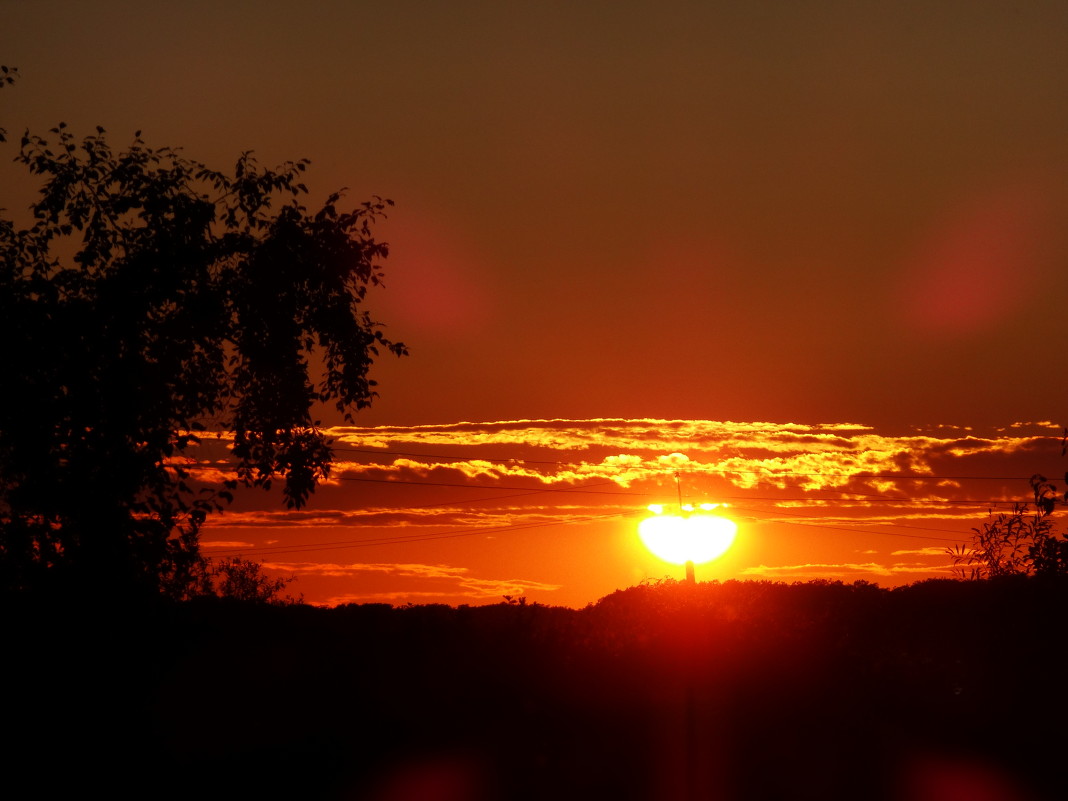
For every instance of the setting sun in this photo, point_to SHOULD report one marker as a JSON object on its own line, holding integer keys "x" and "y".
{"x": 690, "y": 537}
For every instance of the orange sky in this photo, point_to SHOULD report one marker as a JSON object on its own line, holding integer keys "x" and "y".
{"x": 813, "y": 215}
{"x": 468, "y": 513}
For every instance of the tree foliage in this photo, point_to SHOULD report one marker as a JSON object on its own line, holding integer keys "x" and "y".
{"x": 7, "y": 77}
{"x": 244, "y": 580}
{"x": 153, "y": 299}
{"x": 1021, "y": 542}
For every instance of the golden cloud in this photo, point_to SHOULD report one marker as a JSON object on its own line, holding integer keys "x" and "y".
{"x": 559, "y": 472}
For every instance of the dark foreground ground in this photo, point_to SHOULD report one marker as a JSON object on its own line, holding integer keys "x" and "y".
{"x": 745, "y": 690}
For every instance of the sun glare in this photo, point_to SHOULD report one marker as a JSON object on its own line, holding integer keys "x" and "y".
{"x": 693, "y": 536}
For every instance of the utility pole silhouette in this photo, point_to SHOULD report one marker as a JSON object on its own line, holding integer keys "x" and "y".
{"x": 690, "y": 578}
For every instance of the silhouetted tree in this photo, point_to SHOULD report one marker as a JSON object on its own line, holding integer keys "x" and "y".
{"x": 244, "y": 580}
{"x": 150, "y": 300}
{"x": 1021, "y": 542}
{"x": 7, "y": 77}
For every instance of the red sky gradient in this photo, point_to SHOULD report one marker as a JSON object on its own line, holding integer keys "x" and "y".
{"x": 845, "y": 219}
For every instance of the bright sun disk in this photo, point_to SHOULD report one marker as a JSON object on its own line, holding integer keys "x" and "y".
{"x": 693, "y": 537}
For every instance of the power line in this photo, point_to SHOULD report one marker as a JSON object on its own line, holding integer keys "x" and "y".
{"x": 683, "y": 468}
{"x": 883, "y": 498}
{"x": 851, "y": 530}
{"x": 579, "y": 490}
{"x": 875, "y": 501}
{"x": 279, "y": 550}
{"x": 275, "y": 550}
{"x": 527, "y": 491}
{"x": 444, "y": 456}
{"x": 809, "y": 522}
{"x": 725, "y": 471}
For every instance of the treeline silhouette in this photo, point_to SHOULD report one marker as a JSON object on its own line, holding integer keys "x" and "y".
{"x": 739, "y": 690}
